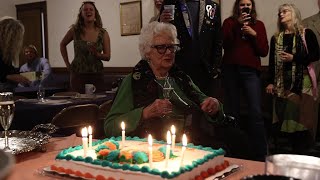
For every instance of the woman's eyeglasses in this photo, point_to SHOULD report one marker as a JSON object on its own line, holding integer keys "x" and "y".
{"x": 162, "y": 49}
{"x": 283, "y": 12}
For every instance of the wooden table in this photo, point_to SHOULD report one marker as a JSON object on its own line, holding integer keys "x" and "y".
{"x": 28, "y": 165}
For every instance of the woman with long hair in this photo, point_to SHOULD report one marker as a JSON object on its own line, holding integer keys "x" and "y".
{"x": 91, "y": 47}
{"x": 244, "y": 42}
{"x": 11, "y": 38}
{"x": 292, "y": 49}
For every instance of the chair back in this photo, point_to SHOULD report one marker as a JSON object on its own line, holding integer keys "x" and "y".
{"x": 71, "y": 119}
{"x": 104, "y": 108}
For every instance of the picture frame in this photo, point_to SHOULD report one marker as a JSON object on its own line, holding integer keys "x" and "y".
{"x": 130, "y": 18}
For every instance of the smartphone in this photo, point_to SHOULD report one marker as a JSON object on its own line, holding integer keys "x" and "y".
{"x": 245, "y": 10}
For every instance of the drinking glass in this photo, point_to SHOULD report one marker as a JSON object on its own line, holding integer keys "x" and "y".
{"x": 6, "y": 115}
{"x": 167, "y": 88}
{"x": 297, "y": 166}
{"x": 41, "y": 93}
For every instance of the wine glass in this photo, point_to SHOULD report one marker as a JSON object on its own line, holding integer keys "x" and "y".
{"x": 41, "y": 93}
{"x": 167, "y": 88}
{"x": 7, "y": 107}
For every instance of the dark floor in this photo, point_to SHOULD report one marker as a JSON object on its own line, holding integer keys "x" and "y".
{"x": 283, "y": 143}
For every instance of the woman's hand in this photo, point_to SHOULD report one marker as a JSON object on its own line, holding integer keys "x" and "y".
{"x": 246, "y": 29}
{"x": 244, "y": 18}
{"x": 159, "y": 108}
{"x": 270, "y": 89}
{"x": 286, "y": 57}
{"x": 166, "y": 16}
{"x": 210, "y": 106}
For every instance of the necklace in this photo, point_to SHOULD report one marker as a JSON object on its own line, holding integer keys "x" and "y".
{"x": 162, "y": 77}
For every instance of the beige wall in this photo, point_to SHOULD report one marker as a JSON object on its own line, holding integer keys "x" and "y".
{"x": 124, "y": 49}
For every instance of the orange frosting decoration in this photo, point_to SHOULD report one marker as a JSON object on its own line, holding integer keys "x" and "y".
{"x": 110, "y": 145}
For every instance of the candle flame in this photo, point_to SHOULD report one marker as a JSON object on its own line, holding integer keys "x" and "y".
{"x": 150, "y": 140}
{"x": 168, "y": 137}
{"x": 173, "y": 130}
{"x": 123, "y": 126}
{"x": 184, "y": 140}
{"x": 84, "y": 132}
{"x": 90, "y": 130}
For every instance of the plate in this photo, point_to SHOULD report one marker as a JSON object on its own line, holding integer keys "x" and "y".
{"x": 110, "y": 92}
{"x": 48, "y": 171}
{"x": 218, "y": 176}
{"x": 6, "y": 163}
{"x": 61, "y": 97}
{"x": 24, "y": 141}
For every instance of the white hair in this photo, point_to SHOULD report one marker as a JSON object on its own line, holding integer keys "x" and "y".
{"x": 153, "y": 29}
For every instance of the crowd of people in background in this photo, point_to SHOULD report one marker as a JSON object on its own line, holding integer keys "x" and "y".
{"x": 183, "y": 48}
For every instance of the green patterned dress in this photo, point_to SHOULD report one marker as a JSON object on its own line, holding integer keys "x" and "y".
{"x": 84, "y": 61}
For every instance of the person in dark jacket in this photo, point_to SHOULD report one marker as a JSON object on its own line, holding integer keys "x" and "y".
{"x": 198, "y": 24}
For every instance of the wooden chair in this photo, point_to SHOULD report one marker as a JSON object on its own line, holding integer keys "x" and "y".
{"x": 72, "y": 119}
{"x": 66, "y": 93}
{"x": 104, "y": 108}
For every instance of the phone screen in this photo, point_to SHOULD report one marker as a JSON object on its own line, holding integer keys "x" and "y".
{"x": 245, "y": 10}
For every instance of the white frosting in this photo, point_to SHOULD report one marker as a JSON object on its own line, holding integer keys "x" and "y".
{"x": 173, "y": 164}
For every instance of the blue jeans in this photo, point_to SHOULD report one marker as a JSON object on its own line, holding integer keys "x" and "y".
{"x": 235, "y": 79}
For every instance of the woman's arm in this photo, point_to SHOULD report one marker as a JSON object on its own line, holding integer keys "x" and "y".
{"x": 122, "y": 110}
{"x": 313, "y": 47}
{"x": 260, "y": 40}
{"x": 106, "y": 55}
{"x": 63, "y": 46}
{"x": 229, "y": 33}
{"x": 18, "y": 79}
{"x": 271, "y": 69}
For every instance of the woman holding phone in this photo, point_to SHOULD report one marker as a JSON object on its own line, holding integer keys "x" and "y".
{"x": 244, "y": 42}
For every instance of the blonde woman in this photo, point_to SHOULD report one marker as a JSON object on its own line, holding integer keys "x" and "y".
{"x": 11, "y": 38}
{"x": 292, "y": 49}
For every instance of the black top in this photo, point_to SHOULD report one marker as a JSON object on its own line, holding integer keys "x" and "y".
{"x": 5, "y": 70}
{"x": 301, "y": 57}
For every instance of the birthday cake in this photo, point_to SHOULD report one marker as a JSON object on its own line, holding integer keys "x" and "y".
{"x": 110, "y": 159}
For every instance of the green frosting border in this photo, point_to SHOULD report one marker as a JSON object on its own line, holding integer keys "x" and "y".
{"x": 145, "y": 169}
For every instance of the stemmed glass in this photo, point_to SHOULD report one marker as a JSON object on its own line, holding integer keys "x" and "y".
{"x": 7, "y": 107}
{"x": 167, "y": 88}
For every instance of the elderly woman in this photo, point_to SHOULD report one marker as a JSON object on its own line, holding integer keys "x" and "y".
{"x": 140, "y": 101}
{"x": 292, "y": 50}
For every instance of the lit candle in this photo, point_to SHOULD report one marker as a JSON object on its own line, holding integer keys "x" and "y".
{"x": 90, "y": 137}
{"x": 168, "y": 148}
{"x": 123, "y": 132}
{"x": 150, "y": 150}
{"x": 173, "y": 131}
{"x": 84, "y": 133}
{"x": 184, "y": 145}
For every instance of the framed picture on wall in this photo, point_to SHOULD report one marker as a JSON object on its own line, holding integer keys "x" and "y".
{"x": 130, "y": 18}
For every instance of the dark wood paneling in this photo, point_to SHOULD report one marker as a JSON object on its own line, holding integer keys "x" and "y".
{"x": 30, "y": 16}
{"x": 107, "y": 70}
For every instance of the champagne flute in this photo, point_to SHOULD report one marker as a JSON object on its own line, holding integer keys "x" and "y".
{"x": 167, "y": 88}
{"x": 7, "y": 107}
{"x": 41, "y": 93}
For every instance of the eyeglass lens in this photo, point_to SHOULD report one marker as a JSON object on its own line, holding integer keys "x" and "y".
{"x": 161, "y": 49}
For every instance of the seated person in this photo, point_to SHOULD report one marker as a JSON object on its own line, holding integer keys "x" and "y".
{"x": 140, "y": 101}
{"x": 11, "y": 30}
{"x": 35, "y": 64}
